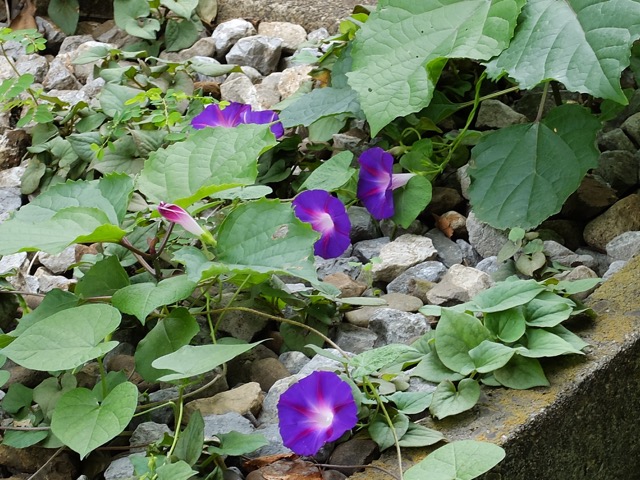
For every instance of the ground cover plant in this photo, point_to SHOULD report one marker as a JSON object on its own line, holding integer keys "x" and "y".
{"x": 192, "y": 205}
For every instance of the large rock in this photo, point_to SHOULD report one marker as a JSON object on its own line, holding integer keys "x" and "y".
{"x": 460, "y": 284}
{"x": 623, "y": 216}
{"x": 310, "y": 15}
{"x": 402, "y": 253}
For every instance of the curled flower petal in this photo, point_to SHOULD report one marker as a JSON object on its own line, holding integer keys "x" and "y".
{"x": 318, "y": 409}
{"x": 374, "y": 182}
{"x": 179, "y": 215}
{"x": 327, "y": 215}
{"x": 233, "y": 115}
{"x": 214, "y": 116}
{"x": 377, "y": 181}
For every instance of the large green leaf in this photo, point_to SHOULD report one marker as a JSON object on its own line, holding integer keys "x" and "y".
{"x": 170, "y": 333}
{"x": 521, "y": 373}
{"x": 332, "y": 174}
{"x": 419, "y": 436}
{"x": 506, "y": 295}
{"x": 449, "y": 400}
{"x": 523, "y": 174}
{"x": 191, "y": 360}
{"x": 585, "y": 44}
{"x": 541, "y": 343}
{"x": 547, "y": 310}
{"x": 319, "y": 103}
{"x": 64, "y": 14}
{"x": 400, "y": 51}
{"x": 72, "y": 212}
{"x": 264, "y": 237}
{"x": 66, "y": 339}
{"x": 210, "y": 160}
{"x": 180, "y": 34}
{"x": 456, "y": 334}
{"x": 462, "y": 460}
{"x": 410, "y": 201}
{"x": 83, "y": 423}
{"x": 490, "y": 355}
{"x": 141, "y": 299}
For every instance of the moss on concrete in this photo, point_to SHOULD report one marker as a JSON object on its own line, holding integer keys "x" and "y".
{"x": 585, "y": 425}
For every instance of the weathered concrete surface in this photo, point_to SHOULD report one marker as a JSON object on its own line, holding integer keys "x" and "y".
{"x": 311, "y": 15}
{"x": 583, "y": 427}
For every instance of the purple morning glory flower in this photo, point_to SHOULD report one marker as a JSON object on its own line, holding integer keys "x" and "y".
{"x": 233, "y": 115}
{"x": 179, "y": 215}
{"x": 327, "y": 215}
{"x": 377, "y": 181}
{"x": 316, "y": 410}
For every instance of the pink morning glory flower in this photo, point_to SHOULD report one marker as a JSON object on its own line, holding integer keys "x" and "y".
{"x": 233, "y": 115}
{"x": 377, "y": 181}
{"x": 179, "y": 215}
{"x": 318, "y": 409}
{"x": 327, "y": 215}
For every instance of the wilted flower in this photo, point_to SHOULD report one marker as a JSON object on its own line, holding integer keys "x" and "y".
{"x": 316, "y": 410}
{"x": 327, "y": 215}
{"x": 179, "y": 215}
{"x": 377, "y": 181}
{"x": 233, "y": 115}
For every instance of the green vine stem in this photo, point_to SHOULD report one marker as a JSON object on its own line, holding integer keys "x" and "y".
{"x": 180, "y": 405}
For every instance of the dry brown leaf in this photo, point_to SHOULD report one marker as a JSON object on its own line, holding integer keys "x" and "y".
{"x": 256, "y": 463}
{"x": 296, "y": 469}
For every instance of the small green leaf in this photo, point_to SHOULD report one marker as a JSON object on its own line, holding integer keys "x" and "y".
{"x": 236, "y": 443}
{"x": 143, "y": 298}
{"x": 541, "y": 343}
{"x": 547, "y": 310}
{"x": 382, "y": 434}
{"x": 17, "y": 439}
{"x": 170, "y": 333}
{"x": 411, "y": 403}
{"x": 180, "y": 34}
{"x": 65, "y": 340}
{"x": 489, "y": 356}
{"x": 410, "y": 201}
{"x": 574, "y": 340}
{"x": 183, "y": 8}
{"x": 462, "y": 460}
{"x": 505, "y": 295}
{"x": 371, "y": 361}
{"x": 47, "y": 394}
{"x": 132, "y": 16}
{"x": 521, "y": 373}
{"x": 83, "y": 423}
{"x": 456, "y": 334}
{"x": 113, "y": 98}
{"x": 104, "y": 278}
{"x": 419, "y": 436}
{"x": 432, "y": 369}
{"x": 578, "y": 286}
{"x": 191, "y": 440}
{"x": 332, "y": 174}
{"x": 175, "y": 471}
{"x": 508, "y": 325}
{"x": 447, "y": 400}
{"x": 190, "y": 360}
{"x": 17, "y": 397}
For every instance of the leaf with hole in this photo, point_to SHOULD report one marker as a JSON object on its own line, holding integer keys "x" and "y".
{"x": 449, "y": 400}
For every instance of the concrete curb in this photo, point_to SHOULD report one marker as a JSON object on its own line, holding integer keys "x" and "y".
{"x": 585, "y": 425}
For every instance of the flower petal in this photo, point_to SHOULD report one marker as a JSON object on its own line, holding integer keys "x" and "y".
{"x": 374, "y": 182}
{"x": 214, "y": 116}
{"x": 318, "y": 409}
{"x": 179, "y": 215}
{"x": 328, "y": 216}
{"x": 264, "y": 116}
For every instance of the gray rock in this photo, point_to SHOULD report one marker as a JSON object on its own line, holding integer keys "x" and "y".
{"x": 291, "y": 34}
{"x": 623, "y": 216}
{"x": 319, "y": 362}
{"x": 292, "y": 79}
{"x": 225, "y": 423}
{"x": 109, "y": 32}
{"x": 226, "y": 34}
{"x": 355, "y": 451}
{"x": 293, "y": 361}
{"x": 242, "y": 325}
{"x": 60, "y": 262}
{"x": 271, "y": 433}
{"x": 205, "y": 47}
{"x": 624, "y": 247}
{"x": 34, "y": 64}
{"x": 392, "y": 230}
{"x": 426, "y": 271}
{"x": 48, "y": 282}
{"x": 562, "y": 255}
{"x": 163, "y": 414}
{"x": 394, "y": 326}
{"x": 348, "y": 265}
{"x": 6, "y": 71}
{"x": 72, "y": 43}
{"x": 631, "y": 126}
{"x": 417, "y": 384}
{"x": 460, "y": 284}
{"x": 484, "y": 238}
{"x": 495, "y": 114}
{"x": 72, "y": 97}
{"x": 269, "y": 413}
{"x": 593, "y": 196}
{"x": 396, "y": 301}
{"x": 464, "y": 180}
{"x": 444, "y": 199}
{"x": 267, "y": 91}
{"x": 318, "y": 35}
{"x": 60, "y": 77}
{"x": 470, "y": 257}
{"x": 239, "y": 88}
{"x": 489, "y": 265}
{"x": 51, "y": 32}
{"x": 257, "y": 51}
{"x": 365, "y": 250}
{"x": 121, "y": 468}
{"x": 619, "y": 168}
{"x": 363, "y": 227}
{"x": 602, "y": 260}
{"x": 404, "y": 252}
{"x": 10, "y": 201}
{"x": 344, "y": 141}
{"x": 355, "y": 339}
{"x": 449, "y": 252}
{"x": 15, "y": 261}
{"x": 579, "y": 273}
{"x": 615, "y": 266}
{"x": 615, "y": 140}
{"x": 268, "y": 371}
{"x": 147, "y": 433}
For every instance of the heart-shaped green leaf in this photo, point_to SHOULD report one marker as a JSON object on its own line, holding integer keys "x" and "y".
{"x": 447, "y": 400}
